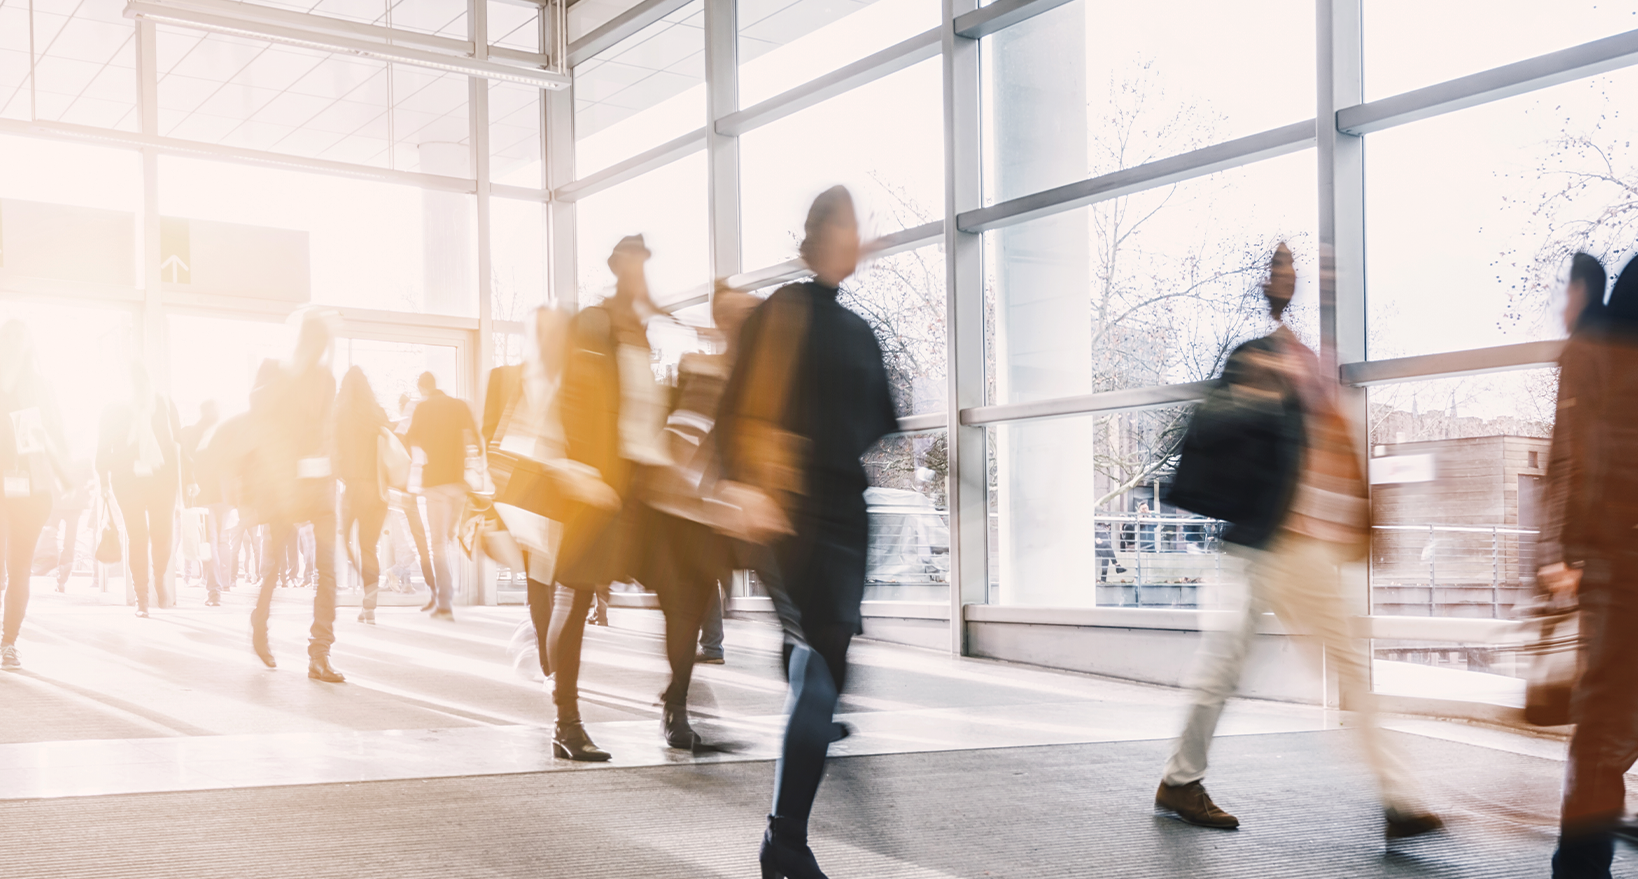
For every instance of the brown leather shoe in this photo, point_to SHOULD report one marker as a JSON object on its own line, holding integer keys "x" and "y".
{"x": 1404, "y": 826}
{"x": 1190, "y": 803}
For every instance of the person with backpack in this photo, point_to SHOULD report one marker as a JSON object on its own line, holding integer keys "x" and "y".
{"x": 1269, "y": 452}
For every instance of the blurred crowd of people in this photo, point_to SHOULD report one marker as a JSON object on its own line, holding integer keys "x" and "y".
{"x": 582, "y": 468}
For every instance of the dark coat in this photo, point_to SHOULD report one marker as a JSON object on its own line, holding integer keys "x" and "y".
{"x": 1592, "y": 471}
{"x": 117, "y": 453}
{"x": 1242, "y": 454}
{"x": 841, "y": 405}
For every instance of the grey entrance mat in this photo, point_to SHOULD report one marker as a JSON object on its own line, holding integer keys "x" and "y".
{"x": 1060, "y": 811}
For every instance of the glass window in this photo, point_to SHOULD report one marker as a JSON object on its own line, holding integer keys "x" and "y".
{"x": 1055, "y": 482}
{"x": 518, "y": 261}
{"x": 1149, "y": 289}
{"x": 1457, "y": 467}
{"x": 1471, "y": 217}
{"x": 214, "y": 358}
{"x": 84, "y": 352}
{"x": 1410, "y": 44}
{"x": 641, "y": 93}
{"x": 394, "y": 367}
{"x": 586, "y": 16}
{"x": 884, "y": 141}
{"x": 668, "y": 208}
{"x": 368, "y": 244}
{"x": 95, "y": 195}
{"x": 514, "y": 135}
{"x": 1091, "y": 88}
{"x": 909, "y": 552}
{"x": 514, "y": 25}
{"x": 784, "y": 43}
{"x": 903, "y": 297}
{"x": 86, "y": 63}
{"x": 288, "y": 99}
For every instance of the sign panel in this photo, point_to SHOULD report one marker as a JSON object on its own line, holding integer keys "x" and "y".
{"x": 232, "y": 259}
{"x": 66, "y": 243}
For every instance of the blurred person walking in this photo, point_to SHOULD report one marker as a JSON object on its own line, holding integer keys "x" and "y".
{"x": 695, "y": 558}
{"x": 31, "y": 465}
{"x": 1270, "y": 453}
{"x": 71, "y": 504}
{"x": 442, "y": 427}
{"x": 140, "y": 460}
{"x": 360, "y": 421}
{"x": 1586, "y": 554}
{"x": 192, "y": 439}
{"x": 294, "y": 482}
{"x": 612, "y": 412}
{"x": 808, "y": 397}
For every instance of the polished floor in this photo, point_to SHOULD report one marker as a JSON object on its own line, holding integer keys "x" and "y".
{"x": 176, "y": 706}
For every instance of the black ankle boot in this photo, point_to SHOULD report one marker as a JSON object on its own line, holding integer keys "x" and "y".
{"x": 785, "y": 853}
{"x": 676, "y": 729}
{"x": 570, "y": 742}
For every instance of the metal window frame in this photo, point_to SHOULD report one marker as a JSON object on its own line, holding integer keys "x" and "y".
{"x": 618, "y": 28}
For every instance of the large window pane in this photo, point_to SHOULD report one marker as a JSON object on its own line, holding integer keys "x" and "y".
{"x": 668, "y": 208}
{"x": 216, "y": 359}
{"x": 784, "y": 43}
{"x": 1410, "y": 44}
{"x": 643, "y": 92}
{"x": 1458, "y": 467}
{"x": 909, "y": 553}
{"x": 514, "y": 25}
{"x": 84, "y": 351}
{"x": 902, "y": 296}
{"x": 368, "y": 244}
{"x": 884, "y": 141}
{"x": 518, "y": 261}
{"x": 1079, "y": 521}
{"x": 1149, "y": 289}
{"x": 1091, "y": 88}
{"x": 1471, "y": 217}
{"x": 514, "y": 135}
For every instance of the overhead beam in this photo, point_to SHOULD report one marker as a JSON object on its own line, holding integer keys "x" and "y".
{"x": 998, "y": 16}
{"x": 624, "y": 25}
{"x": 1495, "y": 84}
{"x": 1197, "y": 163}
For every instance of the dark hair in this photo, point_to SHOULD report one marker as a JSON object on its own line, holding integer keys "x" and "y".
{"x": 428, "y": 381}
{"x": 1276, "y": 304}
{"x": 827, "y": 208}
{"x": 1621, "y": 311}
{"x": 355, "y": 389}
{"x": 1586, "y": 268}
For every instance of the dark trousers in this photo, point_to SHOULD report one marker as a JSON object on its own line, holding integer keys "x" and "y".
{"x": 366, "y": 509}
{"x": 818, "y": 671}
{"x": 148, "y": 506}
{"x": 282, "y": 534}
{"x": 540, "y": 600}
{"x": 418, "y": 532}
{"x": 696, "y": 561}
{"x": 563, "y": 640}
{"x": 1605, "y": 707}
{"x": 21, "y": 521}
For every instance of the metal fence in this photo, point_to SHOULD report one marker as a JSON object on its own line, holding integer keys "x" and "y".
{"x": 1451, "y": 570}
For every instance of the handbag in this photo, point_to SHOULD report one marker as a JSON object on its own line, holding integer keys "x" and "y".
{"x": 109, "y": 551}
{"x": 1554, "y": 666}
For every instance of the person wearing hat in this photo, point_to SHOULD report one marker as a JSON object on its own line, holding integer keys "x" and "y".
{"x": 1269, "y": 452}
{"x": 612, "y": 411}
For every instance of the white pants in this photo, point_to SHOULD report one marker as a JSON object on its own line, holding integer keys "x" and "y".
{"x": 1299, "y": 579}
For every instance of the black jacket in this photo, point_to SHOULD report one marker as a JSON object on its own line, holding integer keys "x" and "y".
{"x": 1243, "y": 451}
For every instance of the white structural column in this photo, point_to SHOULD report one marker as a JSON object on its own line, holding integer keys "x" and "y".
{"x": 968, "y": 477}
{"x": 1341, "y": 162}
{"x": 481, "y": 571}
{"x": 1043, "y": 340}
{"x": 722, "y": 150}
{"x": 153, "y": 316}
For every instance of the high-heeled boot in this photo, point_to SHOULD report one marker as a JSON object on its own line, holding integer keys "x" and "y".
{"x": 676, "y": 729}
{"x": 785, "y": 853}
{"x": 571, "y": 742}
